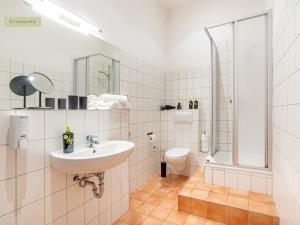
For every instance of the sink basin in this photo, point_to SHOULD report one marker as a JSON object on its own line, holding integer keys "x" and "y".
{"x": 92, "y": 160}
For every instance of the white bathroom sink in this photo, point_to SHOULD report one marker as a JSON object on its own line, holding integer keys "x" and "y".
{"x": 92, "y": 160}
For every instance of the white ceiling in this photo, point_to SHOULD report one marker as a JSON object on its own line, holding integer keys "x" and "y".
{"x": 173, "y": 4}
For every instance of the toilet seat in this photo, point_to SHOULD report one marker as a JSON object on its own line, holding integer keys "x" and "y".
{"x": 177, "y": 152}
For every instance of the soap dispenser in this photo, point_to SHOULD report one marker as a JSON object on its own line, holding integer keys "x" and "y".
{"x": 68, "y": 141}
{"x": 19, "y": 132}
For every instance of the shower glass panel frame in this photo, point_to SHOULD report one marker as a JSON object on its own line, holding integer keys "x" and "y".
{"x": 267, "y": 15}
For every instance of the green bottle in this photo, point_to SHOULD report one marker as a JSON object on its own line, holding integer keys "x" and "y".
{"x": 191, "y": 104}
{"x": 196, "y": 104}
{"x": 68, "y": 141}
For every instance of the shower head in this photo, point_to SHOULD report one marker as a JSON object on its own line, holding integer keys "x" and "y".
{"x": 107, "y": 74}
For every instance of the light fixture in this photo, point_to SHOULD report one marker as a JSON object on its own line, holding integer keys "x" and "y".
{"x": 64, "y": 17}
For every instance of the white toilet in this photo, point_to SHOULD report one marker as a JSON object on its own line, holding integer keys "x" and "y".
{"x": 177, "y": 158}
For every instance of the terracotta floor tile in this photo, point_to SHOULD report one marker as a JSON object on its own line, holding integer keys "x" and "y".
{"x": 216, "y": 212}
{"x": 173, "y": 195}
{"x": 168, "y": 223}
{"x": 161, "y": 212}
{"x": 176, "y": 200}
{"x": 200, "y": 194}
{"x": 168, "y": 203}
{"x": 260, "y": 197}
{"x": 237, "y": 216}
{"x": 203, "y": 186}
{"x": 177, "y": 189}
{"x": 210, "y": 222}
{"x": 177, "y": 217}
{"x": 166, "y": 189}
{"x": 134, "y": 204}
{"x": 198, "y": 207}
{"x": 194, "y": 220}
{"x": 146, "y": 208}
{"x": 238, "y": 193}
{"x": 259, "y": 219}
{"x": 161, "y": 192}
{"x": 220, "y": 189}
{"x": 154, "y": 199}
{"x": 139, "y": 195}
{"x": 264, "y": 208}
{"x": 152, "y": 221}
{"x": 261, "y": 207}
{"x": 119, "y": 223}
{"x": 184, "y": 203}
{"x": 238, "y": 202}
{"x": 191, "y": 183}
{"x": 220, "y": 198}
{"x": 186, "y": 191}
{"x": 132, "y": 218}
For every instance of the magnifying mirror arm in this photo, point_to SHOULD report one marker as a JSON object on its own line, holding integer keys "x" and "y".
{"x": 24, "y": 97}
{"x": 40, "y": 99}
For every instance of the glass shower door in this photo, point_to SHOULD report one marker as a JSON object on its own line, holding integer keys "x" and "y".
{"x": 251, "y": 90}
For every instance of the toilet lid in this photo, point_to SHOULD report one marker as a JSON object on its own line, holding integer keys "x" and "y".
{"x": 177, "y": 152}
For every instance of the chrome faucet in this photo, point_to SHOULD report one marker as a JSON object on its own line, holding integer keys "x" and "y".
{"x": 91, "y": 140}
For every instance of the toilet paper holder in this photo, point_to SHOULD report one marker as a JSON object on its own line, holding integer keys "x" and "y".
{"x": 151, "y": 141}
{"x": 150, "y": 135}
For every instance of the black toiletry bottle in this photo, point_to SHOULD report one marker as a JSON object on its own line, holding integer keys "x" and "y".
{"x": 163, "y": 168}
{"x": 191, "y": 104}
{"x": 68, "y": 141}
{"x": 179, "y": 106}
{"x": 196, "y": 104}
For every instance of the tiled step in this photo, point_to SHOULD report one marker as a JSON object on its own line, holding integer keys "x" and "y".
{"x": 225, "y": 205}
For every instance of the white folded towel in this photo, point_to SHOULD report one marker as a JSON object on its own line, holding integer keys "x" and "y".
{"x": 111, "y": 105}
{"x": 117, "y": 102}
{"x": 113, "y": 98}
{"x": 92, "y": 102}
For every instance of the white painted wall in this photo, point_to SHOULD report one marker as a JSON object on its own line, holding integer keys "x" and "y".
{"x": 133, "y": 25}
{"x": 186, "y": 42}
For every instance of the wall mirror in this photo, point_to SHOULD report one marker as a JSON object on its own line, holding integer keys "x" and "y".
{"x": 77, "y": 63}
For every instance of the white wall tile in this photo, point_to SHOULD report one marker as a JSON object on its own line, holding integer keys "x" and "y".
{"x": 105, "y": 217}
{"x": 91, "y": 209}
{"x": 54, "y": 180}
{"x": 105, "y": 201}
{"x": 32, "y": 214}
{"x": 8, "y": 219}
{"x": 7, "y": 196}
{"x": 75, "y": 120}
{"x": 116, "y": 193}
{"x": 231, "y": 179}
{"x": 55, "y": 206}
{"x": 55, "y": 123}
{"x": 52, "y": 145}
{"x": 91, "y": 121}
{"x": 244, "y": 182}
{"x": 30, "y": 187}
{"x": 259, "y": 184}
{"x": 75, "y": 196}
{"x": 76, "y": 217}
{"x": 219, "y": 177}
{"x": 4, "y": 121}
{"x": 32, "y": 158}
{"x": 60, "y": 221}
{"x": 116, "y": 211}
{"x": 7, "y": 162}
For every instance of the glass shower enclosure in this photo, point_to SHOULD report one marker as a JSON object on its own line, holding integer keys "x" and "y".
{"x": 241, "y": 62}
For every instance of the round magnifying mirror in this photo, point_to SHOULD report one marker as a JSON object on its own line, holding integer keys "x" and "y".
{"x": 42, "y": 84}
{"x": 22, "y": 86}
